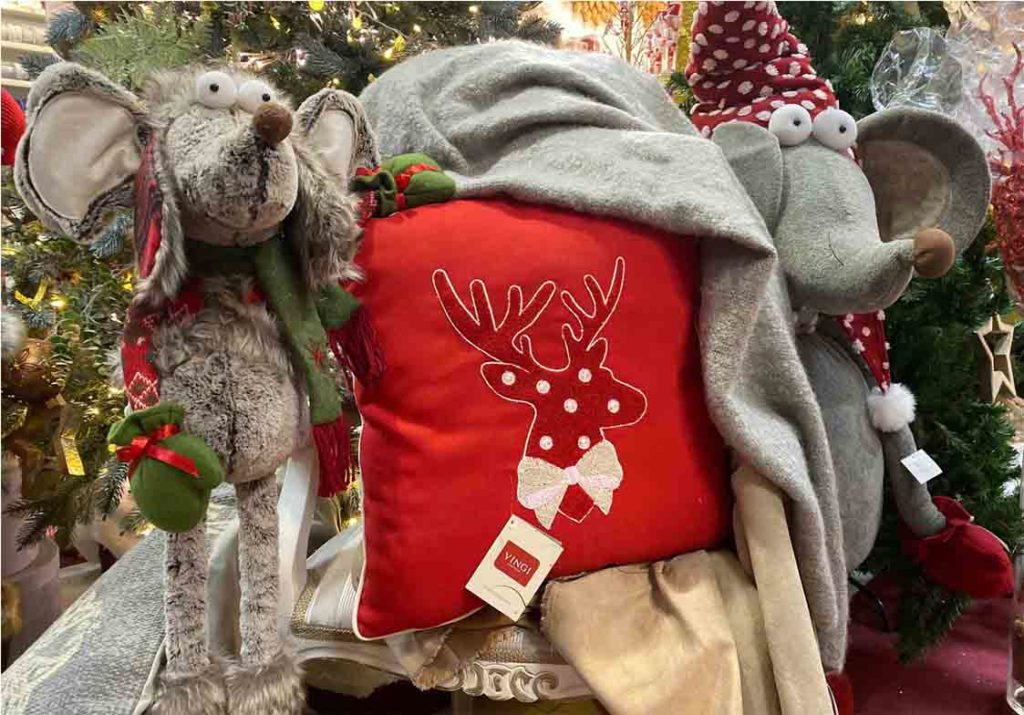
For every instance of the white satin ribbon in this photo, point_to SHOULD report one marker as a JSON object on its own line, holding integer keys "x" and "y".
{"x": 542, "y": 485}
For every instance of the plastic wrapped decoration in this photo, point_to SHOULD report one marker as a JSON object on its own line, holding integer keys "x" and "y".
{"x": 916, "y": 69}
{"x": 974, "y": 75}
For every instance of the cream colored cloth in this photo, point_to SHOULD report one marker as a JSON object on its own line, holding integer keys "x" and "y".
{"x": 678, "y": 636}
{"x": 693, "y": 634}
{"x": 765, "y": 547}
{"x": 433, "y": 656}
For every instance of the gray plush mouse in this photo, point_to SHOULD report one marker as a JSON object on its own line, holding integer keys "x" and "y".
{"x": 243, "y": 229}
{"x": 856, "y": 209}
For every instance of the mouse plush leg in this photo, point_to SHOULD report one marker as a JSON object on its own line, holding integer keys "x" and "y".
{"x": 191, "y": 684}
{"x": 267, "y": 680}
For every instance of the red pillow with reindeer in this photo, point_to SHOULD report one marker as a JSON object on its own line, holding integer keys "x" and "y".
{"x": 539, "y": 362}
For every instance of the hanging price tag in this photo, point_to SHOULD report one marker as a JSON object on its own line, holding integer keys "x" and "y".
{"x": 514, "y": 568}
{"x": 922, "y": 466}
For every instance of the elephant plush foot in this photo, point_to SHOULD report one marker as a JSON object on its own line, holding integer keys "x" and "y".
{"x": 963, "y": 557}
{"x": 200, "y": 693}
{"x": 273, "y": 688}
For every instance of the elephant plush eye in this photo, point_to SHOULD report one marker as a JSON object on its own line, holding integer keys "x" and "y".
{"x": 791, "y": 124}
{"x": 835, "y": 129}
{"x": 254, "y": 93}
{"x": 215, "y": 89}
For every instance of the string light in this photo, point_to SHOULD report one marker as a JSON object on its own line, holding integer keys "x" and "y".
{"x": 417, "y": 28}
{"x": 473, "y": 9}
{"x": 58, "y": 302}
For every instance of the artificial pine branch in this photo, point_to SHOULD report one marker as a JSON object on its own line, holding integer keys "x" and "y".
{"x": 925, "y": 614}
{"x": 112, "y": 483}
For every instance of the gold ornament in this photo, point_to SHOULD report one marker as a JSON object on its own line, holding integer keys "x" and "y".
{"x": 36, "y": 299}
{"x": 67, "y": 443}
{"x": 316, "y": 5}
{"x": 10, "y": 608}
{"x": 28, "y": 376}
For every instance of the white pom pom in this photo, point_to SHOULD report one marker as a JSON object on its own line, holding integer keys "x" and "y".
{"x": 893, "y": 410}
{"x": 13, "y": 335}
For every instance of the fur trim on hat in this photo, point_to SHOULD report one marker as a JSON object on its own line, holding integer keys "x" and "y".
{"x": 893, "y": 409}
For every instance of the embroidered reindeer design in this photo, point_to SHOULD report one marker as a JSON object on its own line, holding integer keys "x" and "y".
{"x": 568, "y": 466}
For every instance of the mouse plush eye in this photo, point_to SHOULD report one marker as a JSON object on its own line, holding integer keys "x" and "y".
{"x": 835, "y": 129}
{"x": 791, "y": 124}
{"x": 254, "y": 93}
{"x": 215, "y": 89}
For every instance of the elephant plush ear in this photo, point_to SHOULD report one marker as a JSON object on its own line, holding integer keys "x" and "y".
{"x": 335, "y": 126}
{"x": 82, "y": 146}
{"x": 926, "y": 172}
{"x": 756, "y": 158}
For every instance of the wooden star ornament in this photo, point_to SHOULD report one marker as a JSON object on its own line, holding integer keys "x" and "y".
{"x": 996, "y": 339}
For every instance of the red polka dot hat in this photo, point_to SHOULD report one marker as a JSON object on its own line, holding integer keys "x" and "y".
{"x": 744, "y": 64}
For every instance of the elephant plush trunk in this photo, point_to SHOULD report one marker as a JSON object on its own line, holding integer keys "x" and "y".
{"x": 850, "y": 281}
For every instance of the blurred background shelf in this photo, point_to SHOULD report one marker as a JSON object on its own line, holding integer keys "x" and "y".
{"x": 25, "y": 48}
{"x": 22, "y": 33}
{"x": 21, "y": 12}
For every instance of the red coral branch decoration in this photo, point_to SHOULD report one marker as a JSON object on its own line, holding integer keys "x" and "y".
{"x": 1008, "y": 161}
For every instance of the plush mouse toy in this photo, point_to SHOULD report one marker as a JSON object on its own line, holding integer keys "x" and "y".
{"x": 243, "y": 230}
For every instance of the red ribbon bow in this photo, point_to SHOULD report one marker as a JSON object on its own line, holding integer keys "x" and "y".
{"x": 146, "y": 445}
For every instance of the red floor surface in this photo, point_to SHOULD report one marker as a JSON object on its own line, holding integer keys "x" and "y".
{"x": 966, "y": 674}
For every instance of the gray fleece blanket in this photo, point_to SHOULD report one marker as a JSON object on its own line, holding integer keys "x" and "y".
{"x": 588, "y": 132}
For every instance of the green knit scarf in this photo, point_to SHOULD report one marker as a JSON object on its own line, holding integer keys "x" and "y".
{"x": 304, "y": 317}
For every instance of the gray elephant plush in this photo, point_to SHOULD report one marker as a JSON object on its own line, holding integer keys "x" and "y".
{"x": 243, "y": 228}
{"x": 857, "y": 209}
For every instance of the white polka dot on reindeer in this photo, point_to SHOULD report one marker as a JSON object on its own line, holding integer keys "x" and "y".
{"x": 543, "y": 387}
{"x": 508, "y": 377}
{"x": 546, "y": 442}
{"x": 613, "y": 406}
{"x": 584, "y": 375}
{"x": 583, "y": 442}
{"x": 570, "y": 405}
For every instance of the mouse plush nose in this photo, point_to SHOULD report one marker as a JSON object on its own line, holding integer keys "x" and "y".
{"x": 272, "y": 123}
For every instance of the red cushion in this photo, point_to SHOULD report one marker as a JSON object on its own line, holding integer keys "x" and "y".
{"x": 459, "y": 407}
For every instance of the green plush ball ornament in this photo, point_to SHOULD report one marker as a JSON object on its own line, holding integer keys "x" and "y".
{"x": 173, "y": 472}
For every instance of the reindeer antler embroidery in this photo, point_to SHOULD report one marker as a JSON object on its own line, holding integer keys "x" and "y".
{"x": 566, "y": 451}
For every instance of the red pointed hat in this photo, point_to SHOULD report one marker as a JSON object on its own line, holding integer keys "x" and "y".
{"x": 745, "y": 63}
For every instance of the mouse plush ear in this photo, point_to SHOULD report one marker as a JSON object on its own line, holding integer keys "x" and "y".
{"x": 334, "y": 125}
{"x": 82, "y": 146}
{"x": 925, "y": 171}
